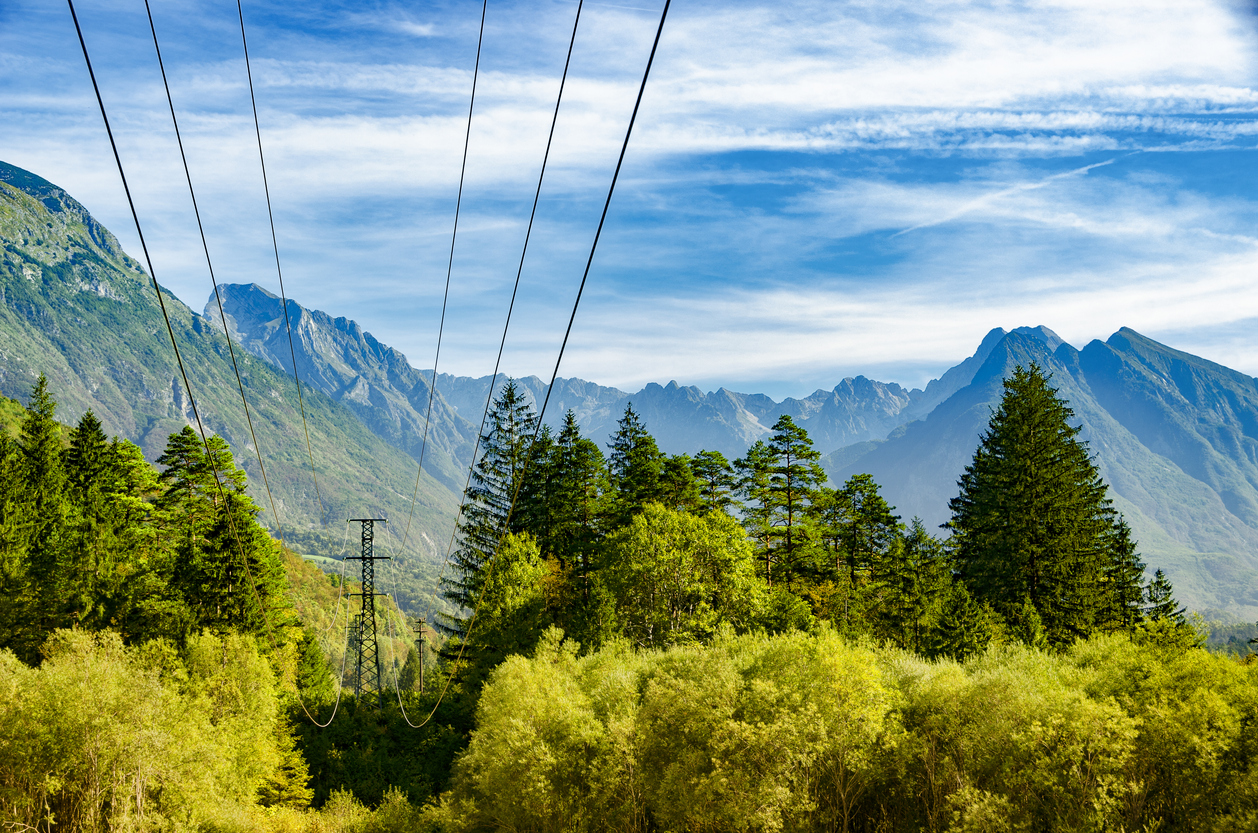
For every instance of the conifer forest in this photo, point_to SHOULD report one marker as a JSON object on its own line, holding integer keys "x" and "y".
{"x": 632, "y": 641}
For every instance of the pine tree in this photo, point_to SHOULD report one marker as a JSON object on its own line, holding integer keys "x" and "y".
{"x": 495, "y": 479}
{"x": 794, "y": 477}
{"x": 635, "y": 466}
{"x": 1032, "y": 520}
{"x": 716, "y": 481}
{"x": 857, "y": 525}
{"x": 754, "y": 471}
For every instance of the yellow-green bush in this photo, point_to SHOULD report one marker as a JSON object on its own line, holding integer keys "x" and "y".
{"x": 102, "y": 736}
{"x": 812, "y": 732}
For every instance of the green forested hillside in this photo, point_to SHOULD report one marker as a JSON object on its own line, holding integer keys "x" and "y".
{"x": 1175, "y": 436}
{"x": 77, "y": 309}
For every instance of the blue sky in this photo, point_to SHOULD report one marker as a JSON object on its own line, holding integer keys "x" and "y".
{"x": 814, "y": 189}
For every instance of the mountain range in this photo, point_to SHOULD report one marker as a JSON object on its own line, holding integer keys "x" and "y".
{"x": 1174, "y": 435}
{"x": 76, "y": 308}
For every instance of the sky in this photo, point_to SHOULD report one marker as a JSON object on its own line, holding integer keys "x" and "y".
{"x": 813, "y": 190}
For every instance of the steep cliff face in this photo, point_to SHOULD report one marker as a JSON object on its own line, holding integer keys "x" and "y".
{"x": 338, "y": 358}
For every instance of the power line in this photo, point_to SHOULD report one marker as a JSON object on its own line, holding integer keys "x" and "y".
{"x": 173, "y": 342}
{"x": 458, "y": 204}
{"x": 205, "y": 246}
{"x": 541, "y": 414}
{"x": 514, "y": 291}
{"x": 507, "y": 325}
{"x": 301, "y": 402}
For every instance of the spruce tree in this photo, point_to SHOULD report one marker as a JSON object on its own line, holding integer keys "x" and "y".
{"x": 46, "y": 510}
{"x": 17, "y": 615}
{"x": 1160, "y": 598}
{"x": 91, "y": 477}
{"x": 582, "y": 485}
{"x": 635, "y": 465}
{"x": 1032, "y": 521}
{"x": 504, "y": 448}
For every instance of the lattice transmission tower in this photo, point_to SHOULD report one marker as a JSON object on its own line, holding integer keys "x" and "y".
{"x": 363, "y": 630}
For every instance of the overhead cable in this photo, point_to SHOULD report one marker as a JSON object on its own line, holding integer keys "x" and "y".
{"x": 257, "y": 129}
{"x": 454, "y": 236}
{"x": 205, "y": 246}
{"x": 542, "y": 413}
{"x": 171, "y": 333}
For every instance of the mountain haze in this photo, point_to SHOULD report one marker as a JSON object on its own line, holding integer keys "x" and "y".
{"x": 379, "y": 384}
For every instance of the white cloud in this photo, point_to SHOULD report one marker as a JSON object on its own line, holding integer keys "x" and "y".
{"x": 364, "y": 128}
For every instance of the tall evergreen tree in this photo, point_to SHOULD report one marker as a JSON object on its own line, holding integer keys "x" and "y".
{"x": 227, "y": 569}
{"x": 716, "y": 480}
{"x": 18, "y": 630}
{"x": 91, "y": 479}
{"x": 1160, "y": 598}
{"x": 1032, "y": 520}
{"x": 856, "y": 524}
{"x": 498, "y": 473}
{"x": 635, "y": 466}
{"x": 754, "y": 472}
{"x": 582, "y": 488}
{"x": 794, "y": 477}
{"x": 679, "y": 490}
{"x": 46, "y": 509}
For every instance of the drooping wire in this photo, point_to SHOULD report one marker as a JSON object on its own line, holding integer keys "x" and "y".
{"x": 205, "y": 246}
{"x": 210, "y": 456}
{"x": 454, "y": 236}
{"x": 397, "y": 686}
{"x": 471, "y": 623}
{"x": 257, "y": 129}
{"x": 514, "y": 291}
{"x": 336, "y": 611}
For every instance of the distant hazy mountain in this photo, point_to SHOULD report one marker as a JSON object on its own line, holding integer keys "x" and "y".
{"x": 378, "y": 383}
{"x": 1174, "y": 435}
{"x": 76, "y": 308}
